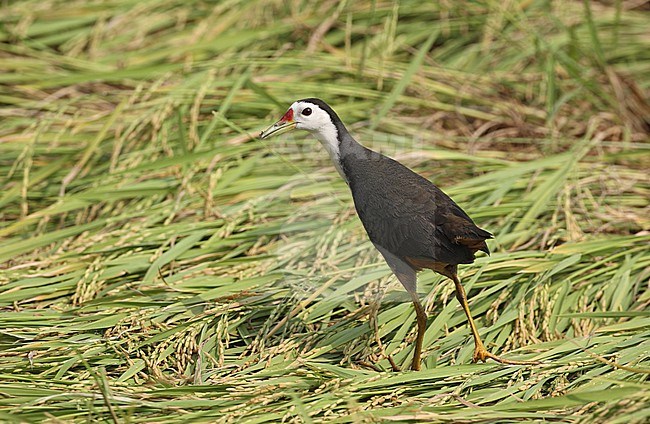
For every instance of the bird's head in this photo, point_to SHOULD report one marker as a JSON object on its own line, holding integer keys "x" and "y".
{"x": 315, "y": 116}
{"x": 311, "y": 115}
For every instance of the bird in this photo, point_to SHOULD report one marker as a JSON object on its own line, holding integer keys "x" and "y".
{"x": 411, "y": 222}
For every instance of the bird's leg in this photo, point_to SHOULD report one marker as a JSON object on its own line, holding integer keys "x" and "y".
{"x": 480, "y": 352}
{"x": 422, "y": 327}
{"x": 375, "y": 326}
{"x": 405, "y": 273}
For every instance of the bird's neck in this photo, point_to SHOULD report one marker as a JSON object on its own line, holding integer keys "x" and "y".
{"x": 338, "y": 143}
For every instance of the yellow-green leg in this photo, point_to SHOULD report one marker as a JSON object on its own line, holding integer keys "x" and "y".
{"x": 422, "y": 327}
{"x": 480, "y": 352}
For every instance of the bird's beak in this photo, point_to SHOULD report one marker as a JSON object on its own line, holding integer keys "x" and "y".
{"x": 285, "y": 124}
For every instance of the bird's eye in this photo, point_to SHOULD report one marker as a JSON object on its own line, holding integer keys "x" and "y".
{"x": 306, "y": 111}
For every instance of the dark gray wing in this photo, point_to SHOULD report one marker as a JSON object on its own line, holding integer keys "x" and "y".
{"x": 409, "y": 216}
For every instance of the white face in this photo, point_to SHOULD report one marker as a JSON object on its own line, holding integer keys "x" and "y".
{"x": 310, "y": 117}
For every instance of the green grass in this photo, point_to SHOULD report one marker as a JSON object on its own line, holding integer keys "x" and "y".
{"x": 158, "y": 263}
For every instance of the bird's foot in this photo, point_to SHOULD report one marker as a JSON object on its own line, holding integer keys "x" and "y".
{"x": 393, "y": 365}
{"x": 377, "y": 368}
{"x": 369, "y": 365}
{"x": 481, "y": 354}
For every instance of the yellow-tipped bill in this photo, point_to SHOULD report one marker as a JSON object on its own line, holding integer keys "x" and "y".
{"x": 285, "y": 124}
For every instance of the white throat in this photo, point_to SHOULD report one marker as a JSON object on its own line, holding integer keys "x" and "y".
{"x": 327, "y": 135}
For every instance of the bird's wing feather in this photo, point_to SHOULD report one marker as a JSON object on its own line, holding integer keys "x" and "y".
{"x": 409, "y": 216}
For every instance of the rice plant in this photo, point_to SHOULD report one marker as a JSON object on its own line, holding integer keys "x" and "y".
{"x": 159, "y": 263}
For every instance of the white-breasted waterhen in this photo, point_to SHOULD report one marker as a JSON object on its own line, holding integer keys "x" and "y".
{"x": 409, "y": 220}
